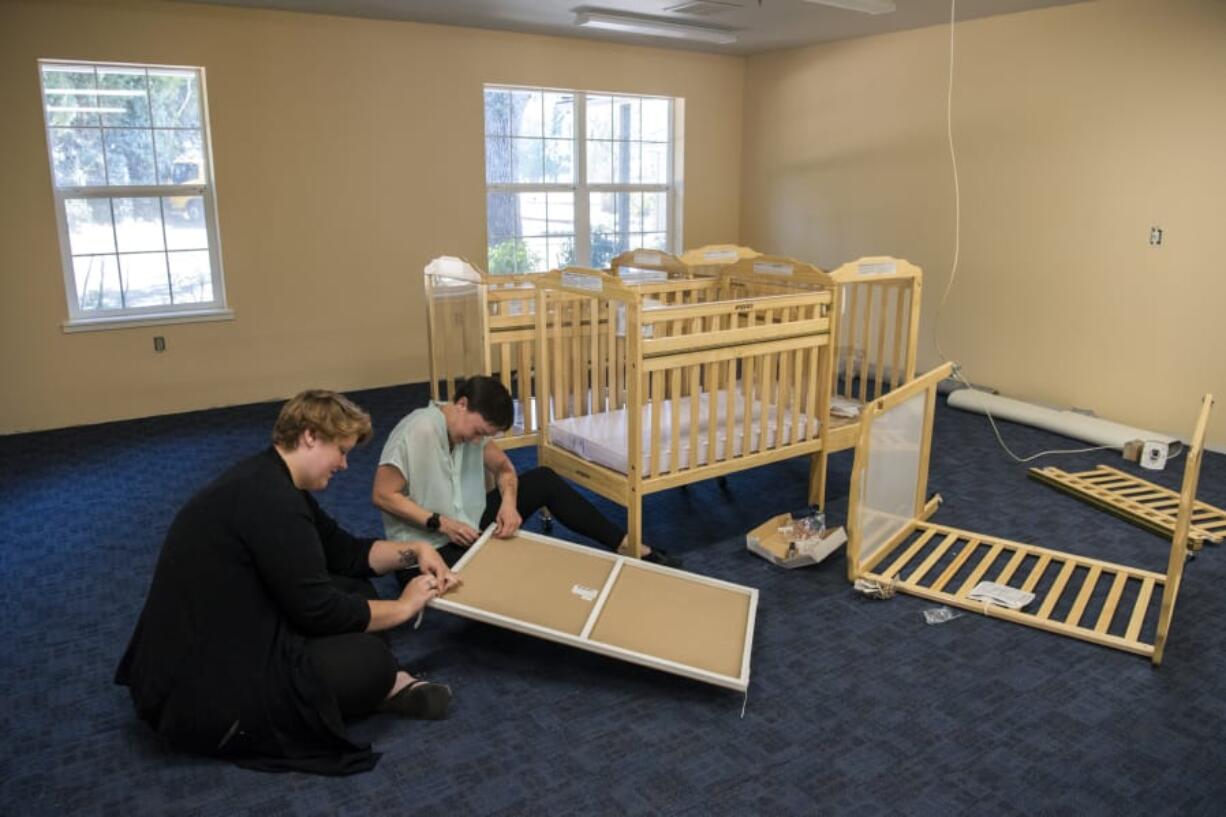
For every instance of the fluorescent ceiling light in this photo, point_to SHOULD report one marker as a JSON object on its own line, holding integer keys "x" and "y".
{"x": 866, "y": 6}
{"x": 607, "y": 21}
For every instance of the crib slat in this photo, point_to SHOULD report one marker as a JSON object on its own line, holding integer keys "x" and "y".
{"x": 784, "y": 399}
{"x": 525, "y": 385}
{"x": 796, "y": 393}
{"x": 921, "y": 571}
{"x": 1113, "y": 598}
{"x": 730, "y": 410}
{"x": 909, "y": 553}
{"x": 747, "y": 379}
{"x": 849, "y": 370}
{"x": 1083, "y": 598}
{"x": 557, "y": 366}
{"x": 674, "y": 420}
{"x": 879, "y": 354}
{"x": 576, "y": 357}
{"x": 657, "y": 386}
{"x": 1036, "y": 572}
{"x": 710, "y": 375}
{"x": 766, "y": 365}
{"x": 1139, "y": 608}
{"x": 979, "y": 571}
{"x": 695, "y": 394}
{"x": 597, "y": 398}
{"x": 864, "y": 350}
{"x": 956, "y": 564}
{"x": 1011, "y": 567}
{"x": 1056, "y": 589}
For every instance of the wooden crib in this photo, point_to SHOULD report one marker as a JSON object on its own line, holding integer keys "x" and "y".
{"x": 479, "y": 323}
{"x": 648, "y": 396}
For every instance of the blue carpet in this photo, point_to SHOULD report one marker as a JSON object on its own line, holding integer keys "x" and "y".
{"x": 856, "y": 706}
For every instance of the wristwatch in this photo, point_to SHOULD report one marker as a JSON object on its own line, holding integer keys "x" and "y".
{"x": 433, "y": 522}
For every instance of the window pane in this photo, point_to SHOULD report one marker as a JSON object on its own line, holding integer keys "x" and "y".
{"x": 655, "y": 241}
{"x": 129, "y": 156}
{"x": 599, "y": 117}
{"x": 603, "y": 213}
{"x": 97, "y": 280}
{"x": 559, "y": 115}
{"x": 498, "y": 113}
{"x": 559, "y": 167}
{"x": 561, "y": 214}
{"x": 76, "y": 156}
{"x": 526, "y": 113}
{"x": 123, "y": 89}
{"x": 655, "y": 163}
{"x": 635, "y": 210}
{"x": 626, "y": 162}
{"x": 144, "y": 279}
{"x": 536, "y": 255}
{"x": 655, "y": 120}
{"x": 497, "y": 159}
{"x": 626, "y": 121}
{"x": 191, "y": 277}
{"x": 89, "y": 226}
{"x": 512, "y": 255}
{"x": 175, "y": 98}
{"x": 533, "y": 217}
{"x": 180, "y": 156}
{"x": 184, "y": 223}
{"x": 501, "y": 217}
{"x": 138, "y": 225}
{"x": 63, "y": 109}
{"x": 655, "y": 212}
{"x": 528, "y": 160}
{"x": 599, "y": 162}
{"x": 561, "y": 252}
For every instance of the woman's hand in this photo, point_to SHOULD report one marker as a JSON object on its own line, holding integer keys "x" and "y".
{"x": 432, "y": 565}
{"x": 457, "y": 532}
{"x": 508, "y": 520}
{"x": 419, "y": 591}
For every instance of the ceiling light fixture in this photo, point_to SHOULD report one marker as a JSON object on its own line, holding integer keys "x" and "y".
{"x": 866, "y": 6}
{"x": 607, "y": 21}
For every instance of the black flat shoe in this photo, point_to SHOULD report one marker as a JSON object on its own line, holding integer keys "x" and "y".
{"x": 662, "y": 558}
{"x": 423, "y": 700}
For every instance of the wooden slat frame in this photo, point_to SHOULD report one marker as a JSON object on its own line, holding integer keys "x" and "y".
{"x": 1076, "y": 623}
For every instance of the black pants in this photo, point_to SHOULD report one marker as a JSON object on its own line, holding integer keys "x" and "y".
{"x": 359, "y": 668}
{"x": 541, "y": 488}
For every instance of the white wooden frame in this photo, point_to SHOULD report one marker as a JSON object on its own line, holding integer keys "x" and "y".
{"x": 583, "y": 641}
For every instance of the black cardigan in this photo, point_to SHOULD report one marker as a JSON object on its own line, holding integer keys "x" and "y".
{"x": 216, "y": 664}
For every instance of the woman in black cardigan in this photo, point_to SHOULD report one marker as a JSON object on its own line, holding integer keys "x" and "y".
{"x": 262, "y": 631}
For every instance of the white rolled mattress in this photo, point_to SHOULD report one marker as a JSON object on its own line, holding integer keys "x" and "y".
{"x": 602, "y": 438}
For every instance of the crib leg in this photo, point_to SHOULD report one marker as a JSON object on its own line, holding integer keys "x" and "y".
{"x": 634, "y": 524}
{"x": 817, "y": 479}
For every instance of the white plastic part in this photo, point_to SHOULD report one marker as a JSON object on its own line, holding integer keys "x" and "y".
{"x": 1069, "y": 423}
{"x": 891, "y": 480}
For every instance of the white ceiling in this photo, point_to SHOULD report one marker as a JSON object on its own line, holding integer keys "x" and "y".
{"x": 759, "y": 25}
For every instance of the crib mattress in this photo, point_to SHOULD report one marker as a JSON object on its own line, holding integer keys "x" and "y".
{"x": 602, "y": 438}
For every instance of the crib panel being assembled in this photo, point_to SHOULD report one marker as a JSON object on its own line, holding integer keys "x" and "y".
{"x": 891, "y": 542}
{"x": 684, "y": 391}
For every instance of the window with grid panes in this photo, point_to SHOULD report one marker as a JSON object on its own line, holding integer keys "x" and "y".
{"x": 130, "y": 168}
{"x": 576, "y": 178}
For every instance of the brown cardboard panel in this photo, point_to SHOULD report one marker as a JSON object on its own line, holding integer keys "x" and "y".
{"x": 534, "y": 582}
{"x": 675, "y": 618}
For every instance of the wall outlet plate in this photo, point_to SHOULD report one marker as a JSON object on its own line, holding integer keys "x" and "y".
{"x": 1153, "y": 456}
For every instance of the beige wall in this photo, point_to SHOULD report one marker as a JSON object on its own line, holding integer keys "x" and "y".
{"x": 1076, "y": 128}
{"x": 347, "y": 154}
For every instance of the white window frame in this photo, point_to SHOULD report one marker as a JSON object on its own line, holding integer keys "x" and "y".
{"x": 581, "y": 189}
{"x": 81, "y": 320}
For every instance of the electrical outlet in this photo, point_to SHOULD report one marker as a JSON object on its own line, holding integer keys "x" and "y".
{"x": 159, "y": 343}
{"x": 1155, "y": 236}
{"x": 1153, "y": 456}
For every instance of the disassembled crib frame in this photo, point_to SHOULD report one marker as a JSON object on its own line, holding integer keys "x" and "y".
{"x": 1137, "y": 500}
{"x": 896, "y": 545}
{"x": 771, "y": 350}
{"x": 690, "y": 625}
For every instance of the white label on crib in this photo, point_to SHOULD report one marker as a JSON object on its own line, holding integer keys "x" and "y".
{"x": 585, "y": 593}
{"x": 879, "y": 268}
{"x": 651, "y": 258}
{"x": 772, "y": 267}
{"x": 720, "y": 255}
{"x": 577, "y": 280}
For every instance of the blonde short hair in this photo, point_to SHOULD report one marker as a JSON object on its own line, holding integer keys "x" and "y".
{"x": 330, "y": 415}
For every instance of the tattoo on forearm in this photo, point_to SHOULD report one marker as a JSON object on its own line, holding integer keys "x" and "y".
{"x": 407, "y": 558}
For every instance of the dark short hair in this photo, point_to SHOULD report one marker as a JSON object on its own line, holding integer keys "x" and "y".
{"x": 329, "y": 415}
{"x": 489, "y": 398}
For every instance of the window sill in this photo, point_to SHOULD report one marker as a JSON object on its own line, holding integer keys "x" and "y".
{"x": 129, "y": 321}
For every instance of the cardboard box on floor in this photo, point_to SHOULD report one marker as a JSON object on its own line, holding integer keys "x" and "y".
{"x": 768, "y": 541}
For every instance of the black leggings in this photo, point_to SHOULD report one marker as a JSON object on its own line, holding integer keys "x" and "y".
{"x": 359, "y": 668}
{"x": 543, "y": 488}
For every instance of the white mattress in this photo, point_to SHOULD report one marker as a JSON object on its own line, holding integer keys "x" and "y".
{"x": 602, "y": 438}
